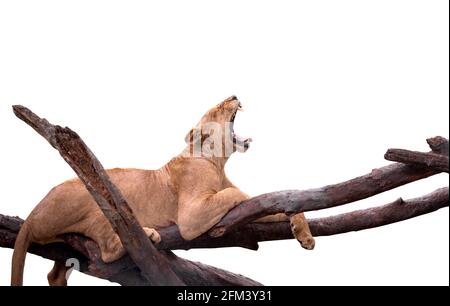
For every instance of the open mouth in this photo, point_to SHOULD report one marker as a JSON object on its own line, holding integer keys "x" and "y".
{"x": 240, "y": 142}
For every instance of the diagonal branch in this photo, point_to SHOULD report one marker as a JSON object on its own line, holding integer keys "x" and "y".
{"x": 432, "y": 160}
{"x": 153, "y": 265}
{"x": 293, "y": 201}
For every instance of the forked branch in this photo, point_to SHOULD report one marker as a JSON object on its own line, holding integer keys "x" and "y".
{"x": 432, "y": 160}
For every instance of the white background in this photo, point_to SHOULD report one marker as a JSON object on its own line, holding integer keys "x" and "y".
{"x": 327, "y": 87}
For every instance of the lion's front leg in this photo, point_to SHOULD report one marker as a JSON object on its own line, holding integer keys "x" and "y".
{"x": 152, "y": 234}
{"x": 299, "y": 227}
{"x": 197, "y": 215}
{"x": 301, "y": 231}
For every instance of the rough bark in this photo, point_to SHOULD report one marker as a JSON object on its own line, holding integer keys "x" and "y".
{"x": 438, "y": 144}
{"x": 432, "y": 160}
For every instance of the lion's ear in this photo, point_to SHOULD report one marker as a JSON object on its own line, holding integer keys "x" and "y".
{"x": 193, "y": 136}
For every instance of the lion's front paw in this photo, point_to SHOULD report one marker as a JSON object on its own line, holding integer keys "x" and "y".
{"x": 305, "y": 239}
{"x": 301, "y": 232}
{"x": 152, "y": 234}
{"x": 308, "y": 243}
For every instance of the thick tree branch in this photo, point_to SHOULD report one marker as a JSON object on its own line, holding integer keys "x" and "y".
{"x": 438, "y": 144}
{"x": 125, "y": 272}
{"x": 293, "y": 201}
{"x": 432, "y": 160}
{"x": 396, "y": 211}
{"x": 252, "y": 233}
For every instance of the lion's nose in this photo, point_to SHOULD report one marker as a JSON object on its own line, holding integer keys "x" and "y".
{"x": 232, "y": 98}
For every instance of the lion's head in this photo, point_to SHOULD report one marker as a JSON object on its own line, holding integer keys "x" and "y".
{"x": 214, "y": 134}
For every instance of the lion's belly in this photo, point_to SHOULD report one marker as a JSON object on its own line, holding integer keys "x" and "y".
{"x": 70, "y": 208}
{"x": 156, "y": 211}
{"x": 150, "y": 198}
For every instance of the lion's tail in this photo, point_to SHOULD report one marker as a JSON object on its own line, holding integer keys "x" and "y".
{"x": 23, "y": 241}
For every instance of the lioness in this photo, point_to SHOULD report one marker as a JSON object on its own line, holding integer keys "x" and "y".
{"x": 191, "y": 191}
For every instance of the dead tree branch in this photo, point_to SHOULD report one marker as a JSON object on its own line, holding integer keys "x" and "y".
{"x": 293, "y": 201}
{"x": 251, "y": 234}
{"x": 125, "y": 272}
{"x": 432, "y": 160}
{"x": 438, "y": 145}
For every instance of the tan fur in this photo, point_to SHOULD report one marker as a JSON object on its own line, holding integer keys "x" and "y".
{"x": 192, "y": 192}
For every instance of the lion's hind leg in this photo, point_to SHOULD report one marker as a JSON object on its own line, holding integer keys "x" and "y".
{"x": 109, "y": 242}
